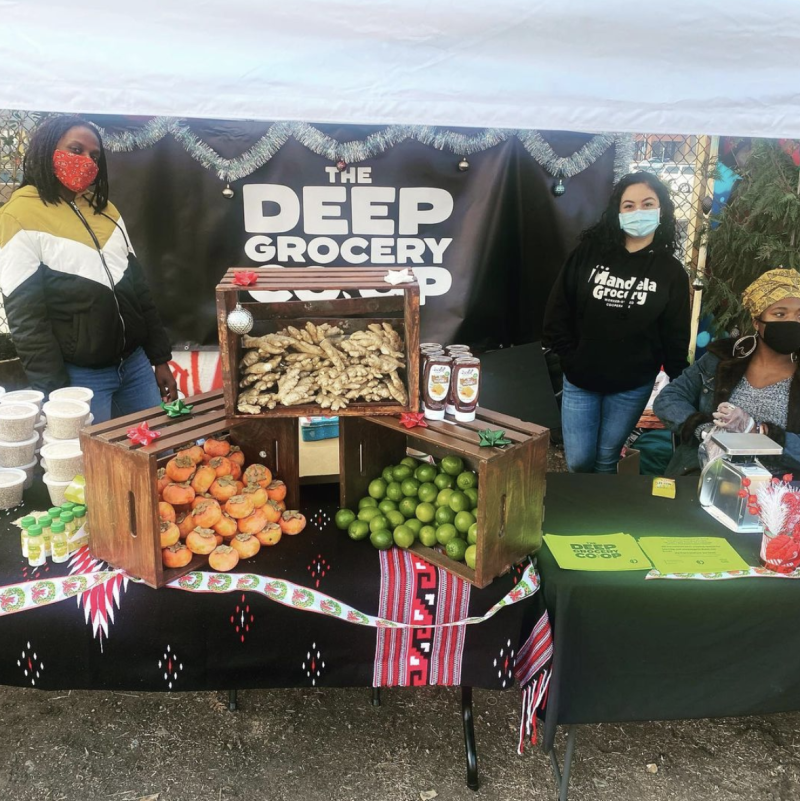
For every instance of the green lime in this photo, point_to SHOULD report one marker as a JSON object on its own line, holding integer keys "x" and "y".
{"x": 446, "y": 533}
{"x": 427, "y": 536}
{"x": 459, "y": 502}
{"x": 426, "y": 512}
{"x": 427, "y": 492}
{"x": 414, "y": 524}
{"x": 386, "y": 475}
{"x": 472, "y": 494}
{"x": 377, "y": 488}
{"x": 343, "y": 519}
{"x": 358, "y": 530}
{"x": 410, "y": 487}
{"x": 469, "y": 556}
{"x": 367, "y": 502}
{"x": 378, "y": 522}
{"x": 394, "y": 491}
{"x": 464, "y": 521}
{"x": 443, "y": 481}
{"x": 472, "y": 534}
{"x": 456, "y": 549}
{"x": 425, "y": 472}
{"x": 408, "y": 506}
{"x": 410, "y": 461}
{"x": 466, "y": 480}
{"x": 444, "y": 514}
{"x": 443, "y": 498}
{"x": 368, "y": 512}
{"x": 395, "y": 518}
{"x": 386, "y": 505}
{"x": 452, "y": 465}
{"x": 402, "y": 472}
{"x": 403, "y": 537}
{"x": 381, "y": 539}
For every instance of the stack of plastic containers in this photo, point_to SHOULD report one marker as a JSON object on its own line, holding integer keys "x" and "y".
{"x": 19, "y": 439}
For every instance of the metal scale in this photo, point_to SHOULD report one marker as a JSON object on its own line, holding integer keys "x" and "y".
{"x": 722, "y": 479}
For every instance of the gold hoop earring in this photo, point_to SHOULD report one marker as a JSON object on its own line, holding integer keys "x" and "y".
{"x": 740, "y": 347}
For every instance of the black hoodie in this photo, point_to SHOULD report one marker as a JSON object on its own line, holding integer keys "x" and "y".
{"x": 615, "y": 319}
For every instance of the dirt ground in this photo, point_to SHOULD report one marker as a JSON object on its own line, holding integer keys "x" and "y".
{"x": 333, "y": 745}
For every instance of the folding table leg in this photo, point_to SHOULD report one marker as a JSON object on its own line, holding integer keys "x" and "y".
{"x": 376, "y": 696}
{"x": 562, "y": 777}
{"x": 232, "y": 700}
{"x": 469, "y": 738}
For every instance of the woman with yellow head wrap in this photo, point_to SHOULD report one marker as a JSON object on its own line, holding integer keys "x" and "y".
{"x": 750, "y": 385}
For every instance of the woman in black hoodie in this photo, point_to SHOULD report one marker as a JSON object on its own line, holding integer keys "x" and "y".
{"x": 618, "y": 312}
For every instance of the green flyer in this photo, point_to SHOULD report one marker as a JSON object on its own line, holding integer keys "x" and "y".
{"x": 692, "y": 554}
{"x": 610, "y": 552}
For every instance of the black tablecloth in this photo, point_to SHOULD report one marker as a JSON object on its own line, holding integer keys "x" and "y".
{"x": 630, "y": 649}
{"x": 129, "y": 636}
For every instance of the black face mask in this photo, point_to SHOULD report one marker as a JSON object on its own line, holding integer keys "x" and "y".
{"x": 783, "y": 336}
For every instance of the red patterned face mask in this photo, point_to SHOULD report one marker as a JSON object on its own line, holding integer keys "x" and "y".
{"x": 75, "y": 172}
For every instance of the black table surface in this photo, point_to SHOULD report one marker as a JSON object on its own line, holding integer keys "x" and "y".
{"x": 627, "y": 649}
{"x": 172, "y": 639}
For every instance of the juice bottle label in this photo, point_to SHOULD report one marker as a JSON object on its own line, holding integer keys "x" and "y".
{"x": 467, "y": 387}
{"x": 439, "y": 381}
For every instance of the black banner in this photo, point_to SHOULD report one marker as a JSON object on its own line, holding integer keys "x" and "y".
{"x": 486, "y": 243}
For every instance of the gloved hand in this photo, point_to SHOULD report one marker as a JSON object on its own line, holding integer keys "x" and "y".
{"x": 733, "y": 418}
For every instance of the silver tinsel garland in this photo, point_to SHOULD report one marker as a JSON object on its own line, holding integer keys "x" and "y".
{"x": 373, "y": 145}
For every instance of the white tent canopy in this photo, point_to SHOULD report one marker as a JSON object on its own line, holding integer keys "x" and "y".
{"x": 716, "y": 67}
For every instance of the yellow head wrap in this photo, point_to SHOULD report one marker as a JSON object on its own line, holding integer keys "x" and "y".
{"x": 769, "y": 288}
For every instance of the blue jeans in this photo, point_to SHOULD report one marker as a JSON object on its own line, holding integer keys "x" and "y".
{"x": 595, "y": 425}
{"x": 130, "y": 387}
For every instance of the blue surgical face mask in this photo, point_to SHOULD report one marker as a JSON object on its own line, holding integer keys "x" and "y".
{"x": 640, "y": 223}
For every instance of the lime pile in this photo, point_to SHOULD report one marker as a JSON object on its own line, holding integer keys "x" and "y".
{"x": 416, "y": 501}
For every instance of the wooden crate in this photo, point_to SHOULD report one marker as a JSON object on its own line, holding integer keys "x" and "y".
{"x": 350, "y": 314}
{"x": 511, "y": 480}
{"x": 121, "y": 491}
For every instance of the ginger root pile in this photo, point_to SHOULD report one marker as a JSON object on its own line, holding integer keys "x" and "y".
{"x": 323, "y": 365}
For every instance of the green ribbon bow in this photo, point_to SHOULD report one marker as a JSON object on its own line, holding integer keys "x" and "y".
{"x": 493, "y": 439}
{"x": 176, "y": 408}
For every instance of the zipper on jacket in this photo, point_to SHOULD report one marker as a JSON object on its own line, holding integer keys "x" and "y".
{"x": 108, "y": 272}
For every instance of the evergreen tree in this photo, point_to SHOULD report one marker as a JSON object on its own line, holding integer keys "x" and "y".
{"x": 757, "y": 231}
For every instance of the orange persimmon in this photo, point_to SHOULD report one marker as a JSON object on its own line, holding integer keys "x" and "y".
{"x": 224, "y": 488}
{"x": 270, "y": 534}
{"x": 169, "y": 533}
{"x": 207, "y": 513}
{"x": 223, "y": 558}
{"x": 276, "y": 491}
{"x": 281, "y": 505}
{"x": 217, "y": 447}
{"x": 166, "y": 511}
{"x": 222, "y": 465}
{"x": 204, "y": 477}
{"x": 185, "y": 523}
{"x": 178, "y": 494}
{"x": 162, "y": 480}
{"x": 272, "y": 512}
{"x": 246, "y": 545}
{"x": 201, "y": 541}
{"x": 177, "y": 555}
{"x": 180, "y": 469}
{"x": 239, "y": 506}
{"x": 258, "y": 474}
{"x": 253, "y": 523}
{"x": 258, "y": 494}
{"x": 292, "y": 522}
{"x": 227, "y": 527}
{"x": 194, "y": 452}
{"x": 236, "y": 455}
{"x": 236, "y": 470}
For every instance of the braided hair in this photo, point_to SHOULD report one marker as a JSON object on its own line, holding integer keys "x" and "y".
{"x": 37, "y": 166}
{"x": 606, "y": 232}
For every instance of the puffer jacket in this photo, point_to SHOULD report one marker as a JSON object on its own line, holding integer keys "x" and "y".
{"x": 64, "y": 302}
{"x": 690, "y": 401}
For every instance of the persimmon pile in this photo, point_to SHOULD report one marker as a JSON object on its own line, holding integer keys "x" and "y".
{"x": 212, "y": 504}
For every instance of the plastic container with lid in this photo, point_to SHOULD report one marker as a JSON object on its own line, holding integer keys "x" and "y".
{"x": 44, "y": 522}
{"x": 17, "y": 421}
{"x": 11, "y": 484}
{"x": 29, "y": 470}
{"x": 55, "y": 488}
{"x": 68, "y": 519}
{"x": 72, "y": 393}
{"x": 36, "y": 555}
{"x": 436, "y": 385}
{"x": 18, "y": 454}
{"x": 66, "y": 418}
{"x": 59, "y": 546}
{"x": 466, "y": 387}
{"x": 24, "y": 396}
{"x": 63, "y": 459}
{"x": 24, "y": 525}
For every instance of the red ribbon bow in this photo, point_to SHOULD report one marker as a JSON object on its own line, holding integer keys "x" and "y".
{"x": 245, "y": 277}
{"x": 413, "y": 419}
{"x": 142, "y": 435}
